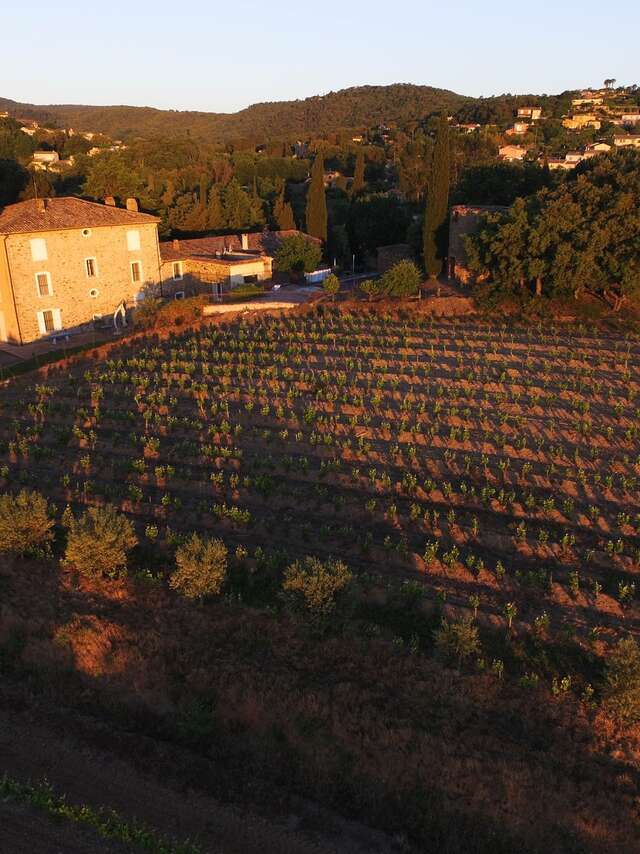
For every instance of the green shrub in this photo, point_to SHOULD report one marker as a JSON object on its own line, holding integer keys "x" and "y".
{"x": 331, "y": 286}
{"x": 316, "y": 585}
{"x": 402, "y": 280}
{"x": 458, "y": 640}
{"x": 98, "y": 542}
{"x": 201, "y": 567}
{"x": 371, "y": 287}
{"x": 146, "y": 312}
{"x": 621, "y": 692}
{"x": 25, "y": 522}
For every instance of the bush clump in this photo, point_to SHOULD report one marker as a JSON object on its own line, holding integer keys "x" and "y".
{"x": 456, "y": 641}
{"x": 99, "y": 541}
{"x": 25, "y": 522}
{"x": 622, "y": 681}
{"x": 315, "y": 586}
{"x": 201, "y": 567}
{"x": 402, "y": 280}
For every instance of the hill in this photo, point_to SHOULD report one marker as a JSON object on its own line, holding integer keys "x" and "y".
{"x": 361, "y": 106}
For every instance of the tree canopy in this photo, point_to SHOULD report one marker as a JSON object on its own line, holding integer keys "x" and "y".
{"x": 582, "y": 237}
{"x": 297, "y": 255}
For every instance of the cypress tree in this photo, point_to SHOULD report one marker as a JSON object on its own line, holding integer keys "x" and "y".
{"x": 316, "y": 201}
{"x": 358, "y": 183}
{"x": 283, "y": 213}
{"x": 215, "y": 217}
{"x": 435, "y": 220}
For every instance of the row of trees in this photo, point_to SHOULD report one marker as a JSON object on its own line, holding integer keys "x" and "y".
{"x": 99, "y": 541}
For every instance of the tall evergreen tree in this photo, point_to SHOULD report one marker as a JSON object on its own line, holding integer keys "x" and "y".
{"x": 317, "y": 202}
{"x": 215, "y": 215}
{"x": 358, "y": 183}
{"x": 283, "y": 212}
{"x": 435, "y": 220}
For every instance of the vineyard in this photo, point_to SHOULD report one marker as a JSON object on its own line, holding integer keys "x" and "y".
{"x": 461, "y": 469}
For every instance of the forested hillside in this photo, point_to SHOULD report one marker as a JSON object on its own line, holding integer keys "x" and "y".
{"x": 361, "y": 106}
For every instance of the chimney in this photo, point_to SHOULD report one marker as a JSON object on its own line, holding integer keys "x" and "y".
{"x": 175, "y": 244}
{"x": 109, "y": 200}
{"x": 244, "y": 238}
{"x": 132, "y": 205}
{"x": 41, "y": 205}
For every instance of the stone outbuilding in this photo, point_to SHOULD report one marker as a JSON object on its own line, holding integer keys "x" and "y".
{"x": 217, "y": 264}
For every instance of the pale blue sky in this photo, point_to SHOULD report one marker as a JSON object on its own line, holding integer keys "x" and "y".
{"x": 207, "y": 55}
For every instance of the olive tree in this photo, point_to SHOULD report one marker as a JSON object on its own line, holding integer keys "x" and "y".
{"x": 201, "y": 567}
{"x": 98, "y": 542}
{"x": 316, "y": 585}
{"x": 25, "y": 522}
{"x": 331, "y": 286}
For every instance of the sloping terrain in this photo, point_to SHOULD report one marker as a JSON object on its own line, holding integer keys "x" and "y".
{"x": 470, "y": 473}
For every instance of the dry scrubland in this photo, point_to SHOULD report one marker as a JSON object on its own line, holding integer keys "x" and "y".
{"x": 481, "y": 473}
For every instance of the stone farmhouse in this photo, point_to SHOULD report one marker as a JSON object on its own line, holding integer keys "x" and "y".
{"x": 68, "y": 264}
{"x": 217, "y": 264}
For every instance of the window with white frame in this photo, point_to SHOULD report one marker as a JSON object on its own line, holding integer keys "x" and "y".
{"x": 38, "y": 249}
{"x": 91, "y": 267}
{"x": 49, "y": 321}
{"x": 177, "y": 271}
{"x": 136, "y": 272}
{"x": 43, "y": 284}
{"x": 133, "y": 240}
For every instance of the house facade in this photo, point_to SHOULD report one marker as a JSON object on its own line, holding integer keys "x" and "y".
{"x": 67, "y": 264}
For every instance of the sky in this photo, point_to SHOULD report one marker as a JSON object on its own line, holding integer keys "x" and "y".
{"x": 206, "y": 55}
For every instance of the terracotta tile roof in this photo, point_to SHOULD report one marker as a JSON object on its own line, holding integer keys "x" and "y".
{"x": 210, "y": 248}
{"x": 65, "y": 212}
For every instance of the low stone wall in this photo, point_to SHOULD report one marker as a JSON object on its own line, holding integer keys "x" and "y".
{"x": 226, "y": 308}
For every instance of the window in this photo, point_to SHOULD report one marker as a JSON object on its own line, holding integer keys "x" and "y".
{"x": 91, "y": 267}
{"x": 86, "y": 232}
{"x": 177, "y": 270}
{"x": 49, "y": 321}
{"x": 94, "y": 292}
{"x": 133, "y": 240}
{"x": 136, "y": 271}
{"x": 179, "y": 295}
{"x": 38, "y": 249}
{"x": 43, "y": 284}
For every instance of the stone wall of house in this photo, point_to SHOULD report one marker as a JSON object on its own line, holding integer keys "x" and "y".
{"x": 75, "y": 295}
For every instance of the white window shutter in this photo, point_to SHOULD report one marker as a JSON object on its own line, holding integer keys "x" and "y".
{"x": 57, "y": 318}
{"x": 38, "y": 249}
{"x": 133, "y": 240}
{"x": 41, "y": 327}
